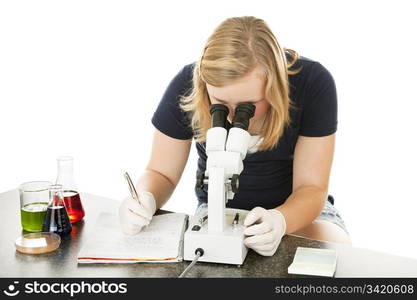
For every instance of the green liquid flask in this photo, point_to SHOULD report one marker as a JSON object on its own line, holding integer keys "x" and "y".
{"x": 34, "y": 199}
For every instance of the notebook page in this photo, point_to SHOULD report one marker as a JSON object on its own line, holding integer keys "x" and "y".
{"x": 159, "y": 241}
{"x": 313, "y": 261}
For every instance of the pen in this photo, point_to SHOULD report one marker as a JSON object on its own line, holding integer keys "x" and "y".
{"x": 132, "y": 189}
{"x": 236, "y": 219}
{"x": 203, "y": 219}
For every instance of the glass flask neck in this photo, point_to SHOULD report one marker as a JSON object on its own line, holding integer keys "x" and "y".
{"x": 65, "y": 175}
{"x": 56, "y": 197}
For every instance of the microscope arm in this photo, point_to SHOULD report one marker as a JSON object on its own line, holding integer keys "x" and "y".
{"x": 222, "y": 165}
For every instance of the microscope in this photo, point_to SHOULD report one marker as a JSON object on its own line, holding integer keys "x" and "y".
{"x": 219, "y": 233}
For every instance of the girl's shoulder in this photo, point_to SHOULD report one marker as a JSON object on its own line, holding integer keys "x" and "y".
{"x": 312, "y": 79}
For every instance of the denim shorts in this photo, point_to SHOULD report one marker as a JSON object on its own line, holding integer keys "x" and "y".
{"x": 329, "y": 213}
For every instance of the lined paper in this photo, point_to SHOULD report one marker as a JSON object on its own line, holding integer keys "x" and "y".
{"x": 161, "y": 241}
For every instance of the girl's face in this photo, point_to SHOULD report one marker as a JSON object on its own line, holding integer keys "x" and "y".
{"x": 250, "y": 88}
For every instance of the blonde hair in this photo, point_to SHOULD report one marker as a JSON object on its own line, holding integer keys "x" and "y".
{"x": 236, "y": 47}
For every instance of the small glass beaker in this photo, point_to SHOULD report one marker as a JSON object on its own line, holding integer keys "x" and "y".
{"x": 34, "y": 199}
{"x": 56, "y": 219}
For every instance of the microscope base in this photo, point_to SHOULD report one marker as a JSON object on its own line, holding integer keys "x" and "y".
{"x": 219, "y": 247}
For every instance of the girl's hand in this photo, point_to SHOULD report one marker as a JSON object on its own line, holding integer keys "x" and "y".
{"x": 265, "y": 229}
{"x": 134, "y": 216}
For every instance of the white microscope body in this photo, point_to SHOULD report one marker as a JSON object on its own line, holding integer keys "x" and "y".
{"x": 219, "y": 234}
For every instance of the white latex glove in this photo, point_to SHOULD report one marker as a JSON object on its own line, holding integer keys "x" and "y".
{"x": 134, "y": 216}
{"x": 265, "y": 229}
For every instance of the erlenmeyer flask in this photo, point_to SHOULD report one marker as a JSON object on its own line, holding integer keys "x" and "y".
{"x": 56, "y": 219}
{"x": 72, "y": 198}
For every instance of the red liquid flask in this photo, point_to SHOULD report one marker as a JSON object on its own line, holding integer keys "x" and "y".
{"x": 70, "y": 192}
{"x": 74, "y": 207}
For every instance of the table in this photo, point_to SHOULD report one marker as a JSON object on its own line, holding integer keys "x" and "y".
{"x": 352, "y": 261}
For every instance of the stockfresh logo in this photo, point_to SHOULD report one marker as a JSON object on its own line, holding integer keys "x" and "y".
{"x": 11, "y": 289}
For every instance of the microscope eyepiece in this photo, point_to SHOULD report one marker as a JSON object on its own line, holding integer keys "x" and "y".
{"x": 243, "y": 113}
{"x": 219, "y": 113}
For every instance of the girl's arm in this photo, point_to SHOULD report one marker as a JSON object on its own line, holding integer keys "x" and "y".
{"x": 166, "y": 165}
{"x": 313, "y": 158}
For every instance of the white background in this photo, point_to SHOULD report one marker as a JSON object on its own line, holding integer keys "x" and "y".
{"x": 83, "y": 78}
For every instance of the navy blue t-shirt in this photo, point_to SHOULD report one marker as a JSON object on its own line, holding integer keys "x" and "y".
{"x": 266, "y": 179}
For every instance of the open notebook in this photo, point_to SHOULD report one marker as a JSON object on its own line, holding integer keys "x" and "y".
{"x": 161, "y": 241}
